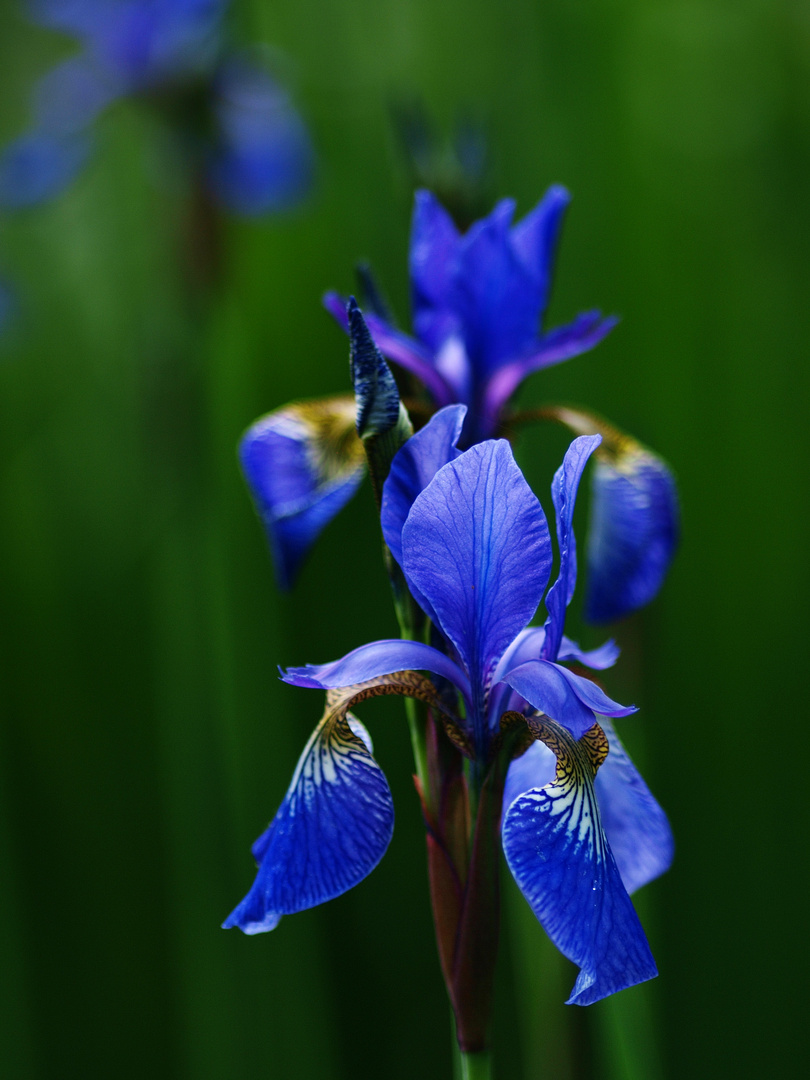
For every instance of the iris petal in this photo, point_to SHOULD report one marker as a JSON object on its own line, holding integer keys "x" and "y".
{"x": 476, "y": 544}
{"x": 634, "y": 532}
{"x": 434, "y": 245}
{"x": 414, "y": 466}
{"x": 560, "y": 858}
{"x": 331, "y": 830}
{"x": 302, "y": 463}
{"x": 375, "y": 660}
{"x": 564, "y": 494}
{"x": 563, "y": 343}
{"x": 496, "y": 299}
{"x": 535, "y": 240}
{"x": 545, "y": 687}
{"x": 635, "y": 825}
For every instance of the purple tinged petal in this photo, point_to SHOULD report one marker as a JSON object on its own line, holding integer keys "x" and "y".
{"x": 331, "y": 830}
{"x": 592, "y": 696}
{"x": 476, "y": 544}
{"x": 586, "y": 331}
{"x": 535, "y": 240}
{"x": 633, "y": 534}
{"x": 398, "y": 347}
{"x": 635, "y": 825}
{"x": 302, "y": 464}
{"x": 369, "y": 662}
{"x": 558, "y": 854}
{"x": 414, "y": 466}
{"x": 564, "y": 488}
{"x": 598, "y": 659}
{"x": 434, "y": 245}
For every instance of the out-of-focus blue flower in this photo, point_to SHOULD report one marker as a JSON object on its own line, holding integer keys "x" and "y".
{"x": 234, "y": 119}
{"x": 263, "y": 159}
{"x": 478, "y": 303}
{"x": 474, "y": 547}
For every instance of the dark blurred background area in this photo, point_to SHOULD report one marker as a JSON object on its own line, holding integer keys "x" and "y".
{"x": 146, "y": 740}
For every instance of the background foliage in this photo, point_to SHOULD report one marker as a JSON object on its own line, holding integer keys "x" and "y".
{"x": 145, "y": 739}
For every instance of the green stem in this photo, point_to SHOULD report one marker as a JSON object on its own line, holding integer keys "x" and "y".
{"x": 476, "y": 1066}
{"x": 416, "y": 726}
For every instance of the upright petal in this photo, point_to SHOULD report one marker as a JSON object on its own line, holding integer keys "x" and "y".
{"x": 331, "y": 830}
{"x": 635, "y": 825}
{"x": 476, "y": 545}
{"x": 302, "y": 464}
{"x": 564, "y": 488}
{"x": 495, "y": 295}
{"x": 434, "y": 244}
{"x": 559, "y": 856}
{"x": 634, "y": 533}
{"x": 414, "y": 466}
{"x": 535, "y": 240}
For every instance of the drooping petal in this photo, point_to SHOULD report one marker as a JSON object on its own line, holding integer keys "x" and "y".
{"x": 331, "y": 830}
{"x": 635, "y": 825}
{"x": 569, "y": 699}
{"x": 564, "y": 488}
{"x": 633, "y": 535}
{"x": 263, "y": 158}
{"x": 476, "y": 545}
{"x": 495, "y": 295}
{"x": 398, "y": 347}
{"x": 302, "y": 464}
{"x": 414, "y": 466}
{"x": 434, "y": 244}
{"x": 545, "y": 686}
{"x": 535, "y": 240}
{"x": 558, "y": 854}
{"x": 377, "y": 659}
{"x": 634, "y": 520}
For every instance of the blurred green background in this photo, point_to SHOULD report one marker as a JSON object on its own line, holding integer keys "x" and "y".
{"x": 146, "y": 740}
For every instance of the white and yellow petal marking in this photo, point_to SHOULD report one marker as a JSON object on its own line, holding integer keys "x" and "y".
{"x": 560, "y": 858}
{"x": 302, "y": 463}
{"x": 337, "y": 817}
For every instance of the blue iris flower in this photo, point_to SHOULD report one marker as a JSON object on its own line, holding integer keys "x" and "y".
{"x": 474, "y": 547}
{"x": 234, "y": 118}
{"x": 479, "y": 300}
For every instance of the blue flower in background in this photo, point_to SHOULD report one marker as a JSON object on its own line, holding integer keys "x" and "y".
{"x": 236, "y": 122}
{"x": 474, "y": 547}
